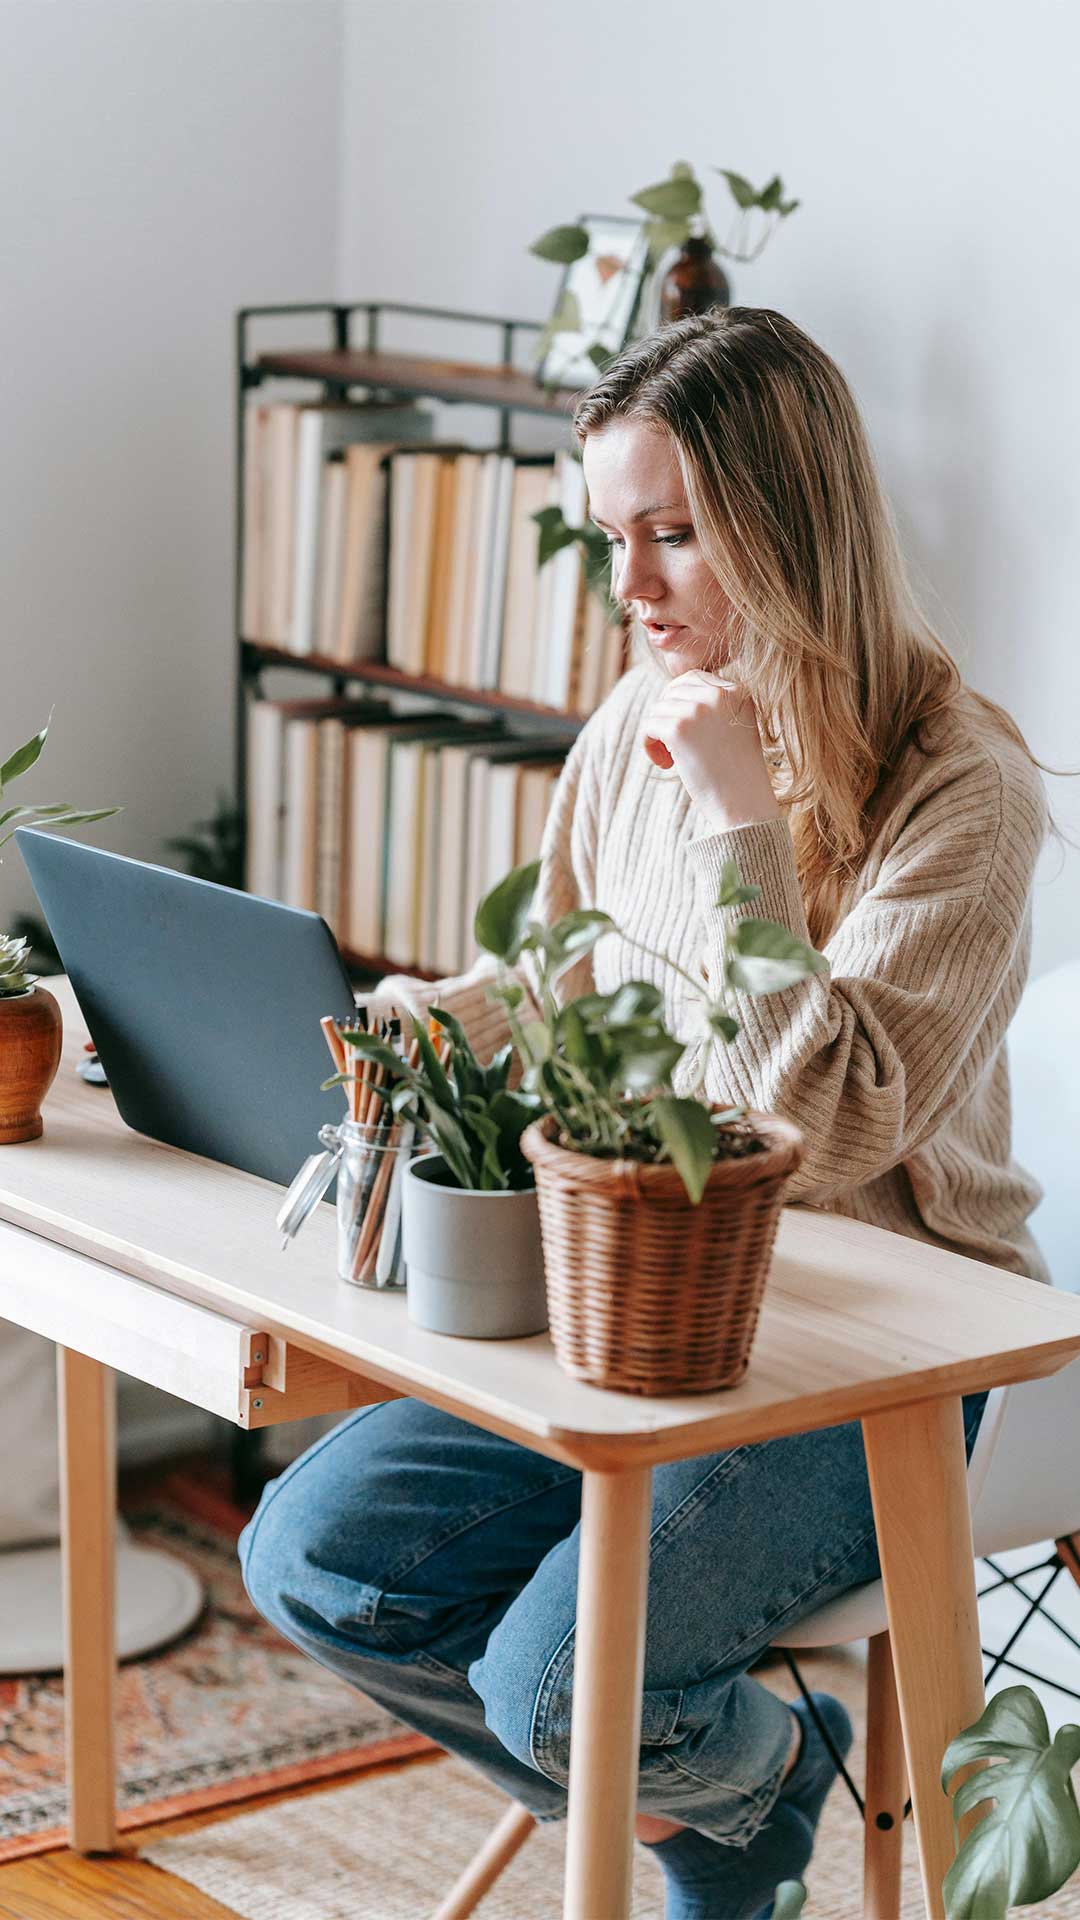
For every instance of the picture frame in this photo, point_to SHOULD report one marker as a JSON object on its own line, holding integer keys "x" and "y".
{"x": 607, "y": 297}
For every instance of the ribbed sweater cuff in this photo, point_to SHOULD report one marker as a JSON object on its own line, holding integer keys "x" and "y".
{"x": 766, "y": 859}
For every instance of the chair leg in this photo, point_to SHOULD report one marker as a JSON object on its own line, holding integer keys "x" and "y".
{"x": 485, "y": 1866}
{"x": 1068, "y": 1549}
{"x": 885, "y": 1786}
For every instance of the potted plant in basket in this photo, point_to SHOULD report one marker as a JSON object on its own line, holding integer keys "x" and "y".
{"x": 470, "y": 1229}
{"x": 30, "y": 1023}
{"x": 658, "y": 1213}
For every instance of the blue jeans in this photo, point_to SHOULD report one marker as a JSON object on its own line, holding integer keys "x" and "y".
{"x": 434, "y": 1566}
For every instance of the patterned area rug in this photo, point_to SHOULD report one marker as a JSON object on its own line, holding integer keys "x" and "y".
{"x": 225, "y": 1713}
{"x": 389, "y": 1847}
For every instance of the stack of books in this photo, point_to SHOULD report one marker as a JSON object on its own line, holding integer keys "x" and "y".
{"x": 315, "y": 523}
{"x": 466, "y": 602}
{"x": 364, "y": 540}
{"x": 392, "y": 829}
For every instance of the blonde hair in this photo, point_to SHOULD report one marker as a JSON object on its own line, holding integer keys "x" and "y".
{"x": 824, "y": 630}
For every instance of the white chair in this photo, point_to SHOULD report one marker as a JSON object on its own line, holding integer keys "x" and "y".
{"x": 1022, "y": 1480}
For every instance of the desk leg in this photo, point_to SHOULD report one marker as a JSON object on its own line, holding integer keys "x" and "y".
{"x": 918, "y": 1480}
{"x": 609, "y": 1664}
{"x": 88, "y": 1528}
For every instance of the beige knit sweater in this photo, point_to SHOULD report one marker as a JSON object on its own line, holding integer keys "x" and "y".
{"x": 893, "y": 1063}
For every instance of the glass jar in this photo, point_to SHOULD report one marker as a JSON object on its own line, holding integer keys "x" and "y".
{"x": 370, "y": 1163}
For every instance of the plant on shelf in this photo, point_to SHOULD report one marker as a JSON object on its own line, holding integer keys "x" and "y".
{"x": 30, "y": 1023}
{"x": 676, "y": 216}
{"x": 693, "y": 282}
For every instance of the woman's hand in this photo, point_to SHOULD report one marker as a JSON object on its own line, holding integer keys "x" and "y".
{"x": 706, "y": 728}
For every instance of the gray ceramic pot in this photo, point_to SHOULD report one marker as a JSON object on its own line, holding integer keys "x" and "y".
{"x": 474, "y": 1263}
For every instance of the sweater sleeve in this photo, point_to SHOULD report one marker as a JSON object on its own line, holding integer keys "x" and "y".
{"x": 565, "y": 854}
{"x": 871, "y": 1058}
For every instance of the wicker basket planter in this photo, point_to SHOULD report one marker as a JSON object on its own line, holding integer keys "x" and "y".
{"x": 648, "y": 1293}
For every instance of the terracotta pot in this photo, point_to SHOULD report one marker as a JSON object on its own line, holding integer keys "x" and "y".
{"x": 648, "y": 1293}
{"x": 30, "y": 1034}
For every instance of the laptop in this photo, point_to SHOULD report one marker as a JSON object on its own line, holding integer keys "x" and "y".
{"x": 203, "y": 1003}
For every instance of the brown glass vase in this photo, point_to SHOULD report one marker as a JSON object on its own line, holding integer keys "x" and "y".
{"x": 694, "y": 282}
{"x": 31, "y": 1031}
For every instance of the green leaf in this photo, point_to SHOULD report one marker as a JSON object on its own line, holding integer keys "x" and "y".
{"x": 24, "y": 814}
{"x": 744, "y": 194}
{"x": 511, "y": 995}
{"x": 765, "y": 958}
{"x": 561, "y": 244}
{"x": 788, "y": 1900}
{"x": 600, "y": 356}
{"x": 554, "y": 534}
{"x": 23, "y": 757}
{"x": 567, "y": 315}
{"x": 686, "y": 1131}
{"x": 377, "y": 1050}
{"x": 575, "y": 935}
{"x": 770, "y": 195}
{"x": 724, "y": 1025}
{"x": 502, "y": 917}
{"x": 662, "y": 234}
{"x": 466, "y": 1068}
{"x": 675, "y": 199}
{"x": 634, "y": 1000}
{"x": 788, "y": 206}
{"x": 733, "y": 891}
{"x": 645, "y": 1061}
{"x": 1028, "y": 1843}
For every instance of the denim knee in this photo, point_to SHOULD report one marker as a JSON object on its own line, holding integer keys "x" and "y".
{"x": 527, "y": 1696}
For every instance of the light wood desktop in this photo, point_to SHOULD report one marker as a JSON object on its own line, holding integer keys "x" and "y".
{"x": 137, "y": 1256}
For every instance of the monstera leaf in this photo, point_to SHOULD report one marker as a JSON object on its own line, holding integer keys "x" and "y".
{"x": 1028, "y": 1844}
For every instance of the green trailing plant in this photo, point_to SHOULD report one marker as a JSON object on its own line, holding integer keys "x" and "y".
{"x": 15, "y": 977}
{"x": 555, "y": 534}
{"x": 676, "y": 213}
{"x": 601, "y": 1064}
{"x": 468, "y": 1110}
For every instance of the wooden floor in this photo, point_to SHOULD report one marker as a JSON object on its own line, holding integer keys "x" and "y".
{"x": 63, "y": 1886}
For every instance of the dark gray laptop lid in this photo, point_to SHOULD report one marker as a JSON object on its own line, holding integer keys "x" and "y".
{"x": 203, "y": 1003}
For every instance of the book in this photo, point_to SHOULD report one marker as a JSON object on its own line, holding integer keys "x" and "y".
{"x": 554, "y": 656}
{"x": 414, "y": 485}
{"x": 265, "y": 744}
{"x": 331, "y": 781}
{"x": 520, "y": 638}
{"x": 460, "y": 567}
{"x": 361, "y": 611}
{"x": 276, "y": 593}
{"x": 301, "y": 816}
{"x": 442, "y": 540}
{"x": 256, "y": 424}
{"x": 535, "y": 790}
{"x": 491, "y": 632}
{"x": 331, "y": 555}
{"x": 322, "y": 429}
{"x": 480, "y": 571}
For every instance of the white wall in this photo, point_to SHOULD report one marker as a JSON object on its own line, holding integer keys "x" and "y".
{"x": 162, "y": 162}
{"x": 934, "y": 255}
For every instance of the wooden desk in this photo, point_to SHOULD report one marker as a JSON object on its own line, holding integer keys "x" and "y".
{"x": 134, "y": 1255}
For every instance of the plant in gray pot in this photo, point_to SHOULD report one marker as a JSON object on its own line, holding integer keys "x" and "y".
{"x": 469, "y": 1221}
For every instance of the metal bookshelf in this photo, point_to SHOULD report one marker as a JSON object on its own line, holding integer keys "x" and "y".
{"x": 357, "y": 359}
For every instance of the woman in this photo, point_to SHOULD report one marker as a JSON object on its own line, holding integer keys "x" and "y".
{"x": 794, "y": 712}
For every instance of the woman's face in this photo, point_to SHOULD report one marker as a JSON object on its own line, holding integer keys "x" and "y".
{"x": 637, "y": 498}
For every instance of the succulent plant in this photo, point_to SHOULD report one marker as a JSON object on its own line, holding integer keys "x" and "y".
{"x": 14, "y": 979}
